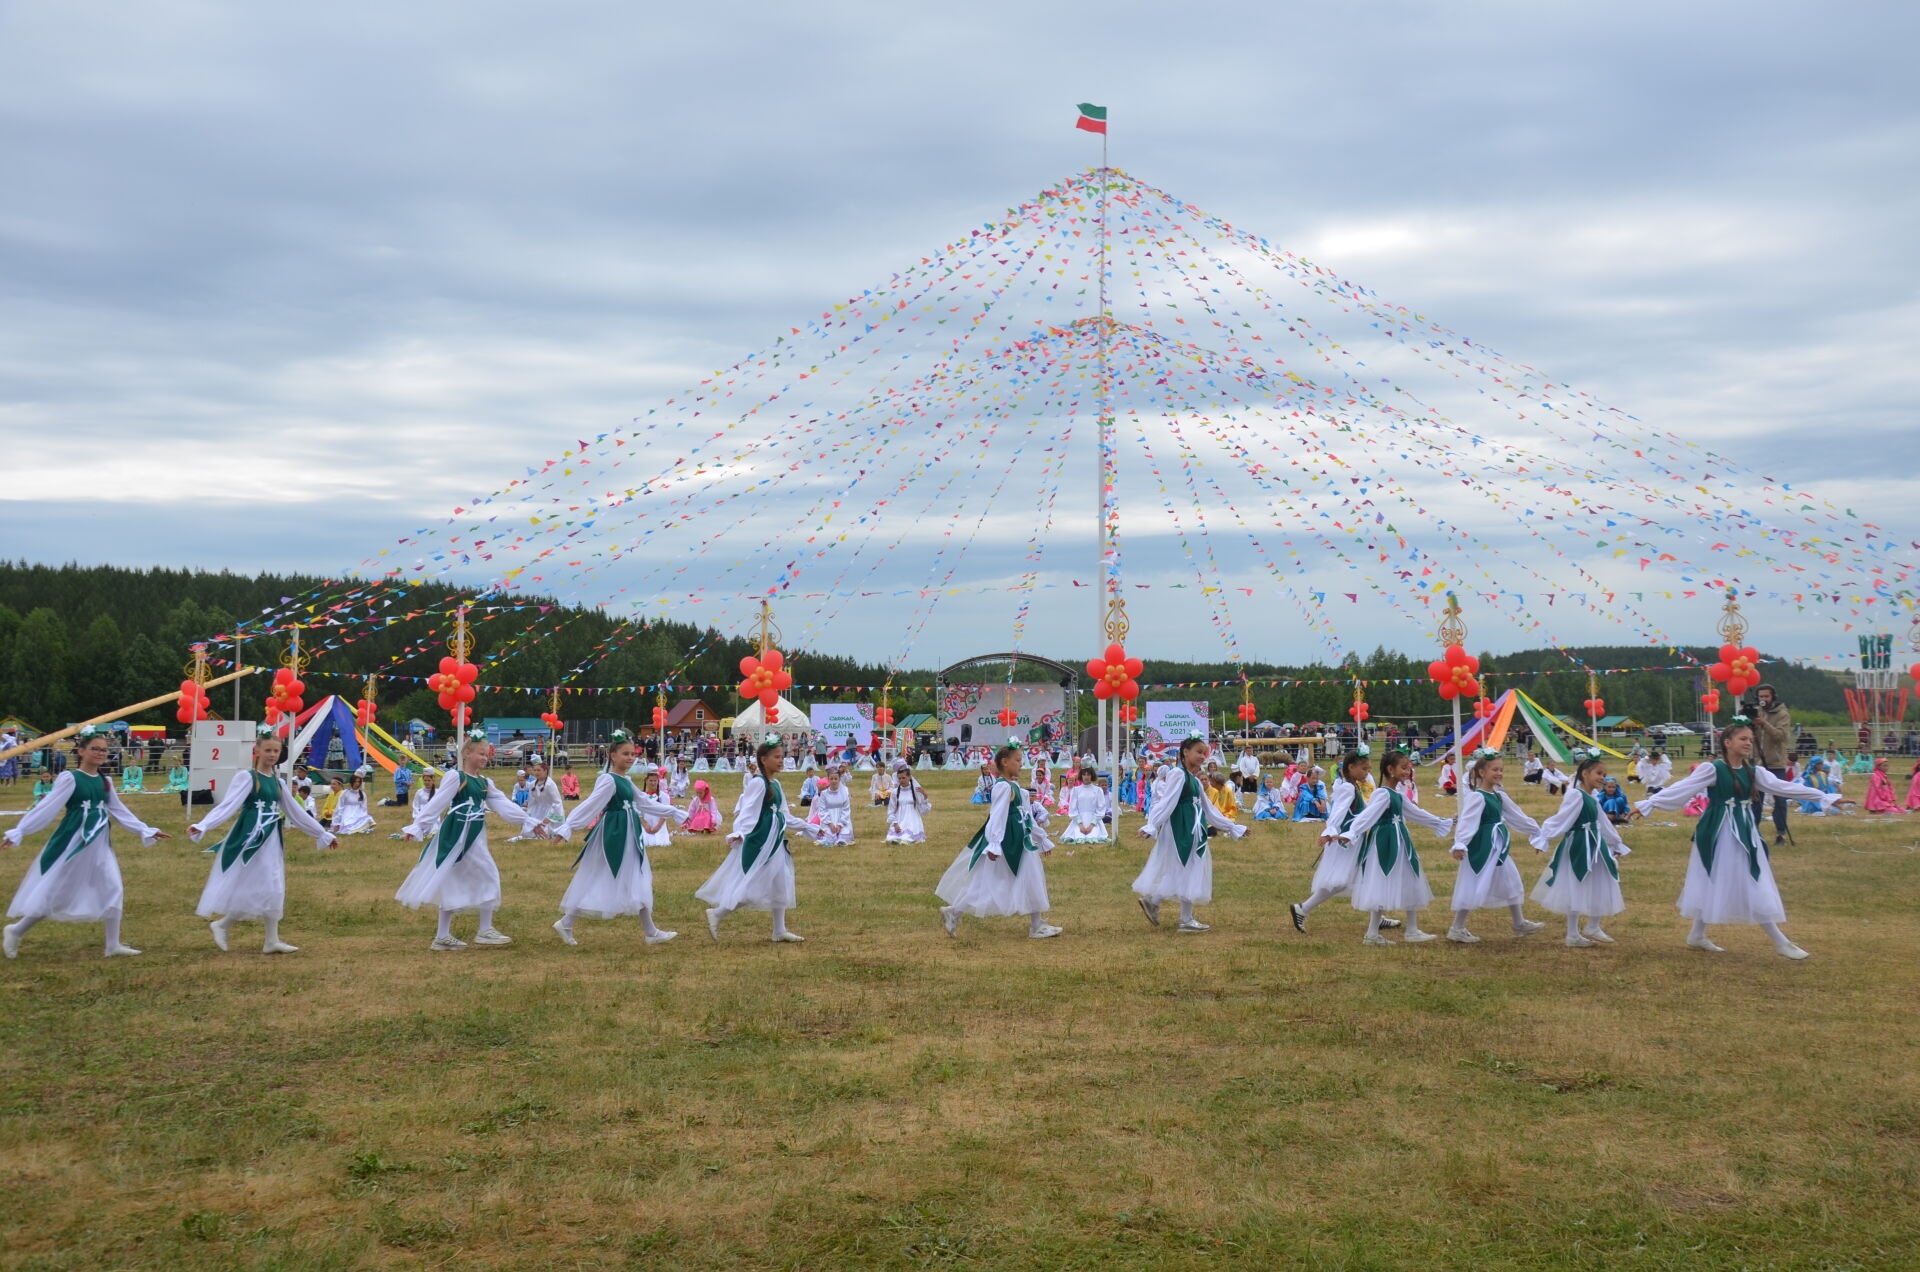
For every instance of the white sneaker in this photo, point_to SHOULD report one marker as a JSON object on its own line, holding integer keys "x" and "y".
{"x": 219, "y": 927}
{"x": 1151, "y": 909}
{"x": 1577, "y": 941}
{"x": 1704, "y": 943}
{"x": 1416, "y": 936}
{"x": 447, "y": 943}
{"x": 1463, "y": 936}
{"x": 661, "y": 937}
{"x": 491, "y": 936}
{"x": 1299, "y": 917}
{"x": 1593, "y": 933}
{"x": 120, "y": 951}
{"x": 566, "y": 932}
{"x": 713, "y": 923}
{"x": 1044, "y": 931}
{"x": 1387, "y": 925}
{"x": 1195, "y": 925}
{"x": 10, "y": 941}
{"x": 1374, "y": 938}
{"x": 277, "y": 946}
{"x": 1790, "y": 950}
{"x": 950, "y": 920}
{"x": 794, "y": 937}
{"x": 1527, "y": 927}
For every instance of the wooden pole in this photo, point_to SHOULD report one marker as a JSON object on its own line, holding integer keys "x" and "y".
{"x": 48, "y": 739}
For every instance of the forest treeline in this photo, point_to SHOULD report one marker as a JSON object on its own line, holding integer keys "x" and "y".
{"x": 77, "y": 641}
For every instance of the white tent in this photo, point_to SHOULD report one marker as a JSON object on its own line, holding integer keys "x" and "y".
{"x": 751, "y": 724}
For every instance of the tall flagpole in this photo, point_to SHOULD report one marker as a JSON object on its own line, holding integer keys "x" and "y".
{"x": 1113, "y": 611}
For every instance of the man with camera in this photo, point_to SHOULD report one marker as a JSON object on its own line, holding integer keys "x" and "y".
{"x": 1773, "y": 748}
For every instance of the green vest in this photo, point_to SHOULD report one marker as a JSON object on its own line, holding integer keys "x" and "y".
{"x": 86, "y": 817}
{"x": 1491, "y": 836}
{"x": 769, "y": 833}
{"x": 466, "y": 818}
{"x": 1730, "y": 795}
{"x": 1389, "y": 841}
{"x": 619, "y": 826}
{"x": 1015, "y": 842}
{"x": 1189, "y": 820}
{"x": 258, "y": 820}
{"x": 1582, "y": 845}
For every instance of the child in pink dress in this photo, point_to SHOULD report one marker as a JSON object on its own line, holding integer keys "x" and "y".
{"x": 1913, "y": 790}
{"x": 1880, "y": 798}
{"x": 703, "y": 814}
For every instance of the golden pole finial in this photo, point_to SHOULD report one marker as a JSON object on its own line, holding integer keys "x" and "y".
{"x": 1453, "y": 628}
{"x": 1733, "y": 624}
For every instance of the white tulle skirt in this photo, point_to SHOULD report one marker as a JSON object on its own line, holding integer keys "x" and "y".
{"x": 1597, "y": 895}
{"x": 836, "y": 831}
{"x": 471, "y": 883}
{"x": 1494, "y": 888}
{"x": 1731, "y": 894}
{"x": 1402, "y": 888}
{"x": 596, "y": 892}
{"x": 1083, "y": 833}
{"x": 768, "y": 886}
{"x": 991, "y": 889}
{"x": 1338, "y": 867}
{"x": 1164, "y": 878}
{"x": 255, "y": 889}
{"x": 352, "y": 821}
{"x": 661, "y": 838}
{"x": 82, "y": 887}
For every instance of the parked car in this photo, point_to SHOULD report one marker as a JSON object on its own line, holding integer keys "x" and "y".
{"x": 519, "y": 752}
{"x": 1674, "y": 729}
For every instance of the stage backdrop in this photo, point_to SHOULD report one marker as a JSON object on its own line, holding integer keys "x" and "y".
{"x": 1038, "y": 707}
{"x": 843, "y": 723}
{"x": 1167, "y": 724}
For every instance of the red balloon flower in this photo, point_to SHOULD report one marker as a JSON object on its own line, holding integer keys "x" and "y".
{"x": 1739, "y": 666}
{"x": 765, "y": 678}
{"x": 1455, "y": 673}
{"x": 1114, "y": 676}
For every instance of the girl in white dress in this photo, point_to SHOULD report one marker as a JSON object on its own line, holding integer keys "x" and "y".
{"x": 1087, "y": 810}
{"x": 1729, "y": 875}
{"x": 1482, "y": 844}
{"x": 998, "y": 874}
{"x": 76, "y": 878}
{"x": 613, "y": 876}
{"x": 1339, "y": 863}
{"x": 350, "y": 815}
{"x": 907, "y": 807}
{"x": 1583, "y": 879}
{"x": 1180, "y": 822}
{"x": 249, "y": 875}
{"x": 544, "y": 806}
{"x": 833, "y": 809}
{"x": 879, "y": 788}
{"x": 455, "y": 872}
{"x": 654, "y": 832}
{"x": 757, "y": 873}
{"x": 1390, "y": 877}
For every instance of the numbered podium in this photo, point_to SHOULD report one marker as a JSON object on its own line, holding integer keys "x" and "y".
{"x": 217, "y": 750}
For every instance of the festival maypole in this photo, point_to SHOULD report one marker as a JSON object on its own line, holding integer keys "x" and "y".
{"x": 1456, "y": 674}
{"x": 1739, "y": 665}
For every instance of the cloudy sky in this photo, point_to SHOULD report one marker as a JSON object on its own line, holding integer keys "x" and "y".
{"x": 280, "y": 285}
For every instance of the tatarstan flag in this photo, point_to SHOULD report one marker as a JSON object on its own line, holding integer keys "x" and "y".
{"x": 1093, "y": 118}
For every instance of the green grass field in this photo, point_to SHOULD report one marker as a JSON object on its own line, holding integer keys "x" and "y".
{"x": 884, "y": 1097}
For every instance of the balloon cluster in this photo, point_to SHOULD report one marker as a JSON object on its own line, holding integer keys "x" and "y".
{"x": 1596, "y": 707}
{"x": 1914, "y": 671}
{"x": 1008, "y": 717}
{"x": 454, "y": 682}
{"x": 766, "y": 678}
{"x": 1455, "y": 673}
{"x": 1483, "y": 709}
{"x": 193, "y": 703}
{"x": 284, "y": 698}
{"x": 659, "y": 717}
{"x": 883, "y": 716}
{"x": 1738, "y": 667}
{"x": 1710, "y": 701}
{"x": 1115, "y": 676}
{"x": 1247, "y": 713}
{"x": 364, "y": 712}
{"x": 1360, "y": 711}
{"x": 552, "y": 720}
{"x": 1129, "y": 713}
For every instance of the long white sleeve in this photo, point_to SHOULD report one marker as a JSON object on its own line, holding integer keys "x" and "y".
{"x": 1337, "y": 806}
{"x": 1421, "y": 817}
{"x": 124, "y": 815}
{"x": 1611, "y": 833}
{"x": 293, "y": 812}
{"x": 1472, "y": 808}
{"x": 1677, "y": 795}
{"x": 1782, "y": 789}
{"x": 1561, "y": 821}
{"x": 746, "y": 809}
{"x": 1037, "y": 829}
{"x": 231, "y": 801}
{"x": 1517, "y": 817}
{"x": 996, "y": 832}
{"x": 1376, "y": 809}
{"x": 1219, "y": 820}
{"x": 587, "y": 809}
{"x": 502, "y": 805}
{"x": 426, "y": 818}
{"x": 45, "y": 813}
{"x": 1166, "y": 788}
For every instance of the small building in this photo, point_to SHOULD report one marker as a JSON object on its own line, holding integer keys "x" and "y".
{"x": 1620, "y": 724}
{"x": 687, "y": 717}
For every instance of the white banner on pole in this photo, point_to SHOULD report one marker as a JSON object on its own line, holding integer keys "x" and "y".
{"x": 843, "y": 723}
{"x": 1165, "y": 724}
